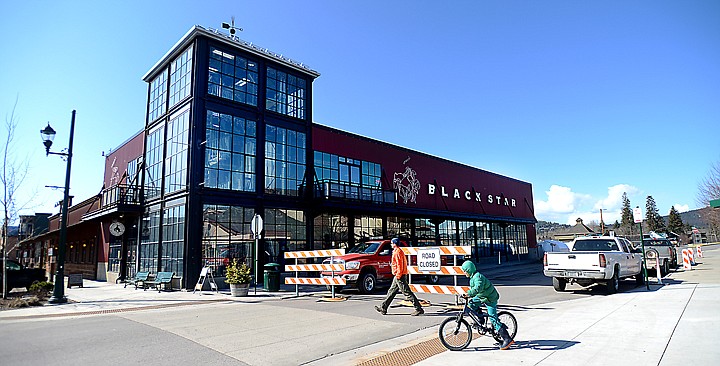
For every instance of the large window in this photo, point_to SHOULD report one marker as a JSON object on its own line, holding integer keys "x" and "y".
{"x": 158, "y": 96}
{"x": 153, "y": 160}
{"x": 367, "y": 228}
{"x": 466, "y": 233}
{"x": 285, "y": 93}
{"x": 230, "y": 152}
{"x": 447, "y": 231}
{"x": 284, "y": 231}
{"x": 399, "y": 227}
{"x": 425, "y": 231}
{"x": 226, "y": 236}
{"x": 284, "y": 161}
{"x": 177, "y": 149}
{"x": 232, "y": 77}
{"x": 331, "y": 232}
{"x": 181, "y": 77}
{"x": 150, "y": 239}
{"x": 114, "y": 255}
{"x": 173, "y": 238}
{"x": 350, "y": 178}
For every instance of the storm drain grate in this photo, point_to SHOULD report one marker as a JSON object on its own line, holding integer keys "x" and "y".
{"x": 112, "y": 311}
{"x": 408, "y": 356}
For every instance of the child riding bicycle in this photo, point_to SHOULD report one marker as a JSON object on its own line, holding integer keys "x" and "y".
{"x": 483, "y": 291}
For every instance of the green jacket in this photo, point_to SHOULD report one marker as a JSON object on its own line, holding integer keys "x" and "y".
{"x": 480, "y": 287}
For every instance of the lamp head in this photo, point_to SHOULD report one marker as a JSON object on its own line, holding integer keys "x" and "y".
{"x": 48, "y": 135}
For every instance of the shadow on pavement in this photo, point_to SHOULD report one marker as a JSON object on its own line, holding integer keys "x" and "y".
{"x": 544, "y": 344}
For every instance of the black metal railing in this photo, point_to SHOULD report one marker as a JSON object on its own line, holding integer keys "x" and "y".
{"x": 120, "y": 194}
{"x": 328, "y": 190}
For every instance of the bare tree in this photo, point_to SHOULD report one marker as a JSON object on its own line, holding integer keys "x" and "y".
{"x": 709, "y": 189}
{"x": 11, "y": 178}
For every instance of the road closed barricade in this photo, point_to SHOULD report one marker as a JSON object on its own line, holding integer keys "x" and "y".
{"x": 686, "y": 256}
{"x": 429, "y": 262}
{"x": 323, "y": 281}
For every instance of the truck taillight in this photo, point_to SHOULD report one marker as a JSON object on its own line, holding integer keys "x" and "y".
{"x": 603, "y": 261}
{"x": 545, "y": 259}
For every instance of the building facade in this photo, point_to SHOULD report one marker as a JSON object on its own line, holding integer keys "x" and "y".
{"x": 229, "y": 134}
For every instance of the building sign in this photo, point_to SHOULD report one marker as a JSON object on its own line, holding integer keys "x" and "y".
{"x": 471, "y": 195}
{"x": 407, "y": 185}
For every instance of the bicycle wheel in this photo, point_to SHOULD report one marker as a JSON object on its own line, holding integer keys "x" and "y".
{"x": 455, "y": 335}
{"x": 510, "y": 322}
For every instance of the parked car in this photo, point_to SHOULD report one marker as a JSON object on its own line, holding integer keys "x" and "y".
{"x": 21, "y": 276}
{"x": 552, "y": 246}
{"x": 594, "y": 259}
{"x": 666, "y": 252}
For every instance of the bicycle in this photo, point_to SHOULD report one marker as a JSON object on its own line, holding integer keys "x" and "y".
{"x": 456, "y": 333}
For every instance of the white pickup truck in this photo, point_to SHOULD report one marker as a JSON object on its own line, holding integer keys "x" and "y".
{"x": 594, "y": 259}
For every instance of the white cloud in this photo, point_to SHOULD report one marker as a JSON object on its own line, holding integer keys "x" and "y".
{"x": 613, "y": 201}
{"x": 565, "y": 206}
{"x": 561, "y": 201}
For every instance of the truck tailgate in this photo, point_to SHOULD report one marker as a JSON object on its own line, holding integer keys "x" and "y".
{"x": 588, "y": 261}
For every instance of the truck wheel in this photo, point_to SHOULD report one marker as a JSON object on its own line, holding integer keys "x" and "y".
{"x": 665, "y": 269}
{"x": 366, "y": 283}
{"x": 432, "y": 279}
{"x": 559, "y": 284}
{"x": 613, "y": 284}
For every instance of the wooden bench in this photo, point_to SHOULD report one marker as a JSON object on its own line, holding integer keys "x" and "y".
{"x": 162, "y": 280}
{"x": 139, "y": 279}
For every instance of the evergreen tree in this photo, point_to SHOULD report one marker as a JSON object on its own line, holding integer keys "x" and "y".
{"x": 654, "y": 221}
{"x": 627, "y": 215}
{"x": 616, "y": 225}
{"x": 675, "y": 223}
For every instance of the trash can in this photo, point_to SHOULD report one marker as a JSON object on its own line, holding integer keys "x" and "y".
{"x": 272, "y": 277}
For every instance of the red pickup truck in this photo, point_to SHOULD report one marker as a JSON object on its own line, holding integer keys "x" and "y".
{"x": 368, "y": 264}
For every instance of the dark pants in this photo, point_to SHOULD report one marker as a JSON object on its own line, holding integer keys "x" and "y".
{"x": 400, "y": 285}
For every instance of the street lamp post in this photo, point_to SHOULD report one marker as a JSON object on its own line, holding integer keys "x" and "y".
{"x": 48, "y": 134}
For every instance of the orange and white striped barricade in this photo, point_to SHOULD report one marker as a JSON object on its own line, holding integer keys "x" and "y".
{"x": 686, "y": 259}
{"x": 699, "y": 251}
{"x": 691, "y": 256}
{"x": 453, "y": 270}
{"x": 439, "y": 289}
{"x": 332, "y": 267}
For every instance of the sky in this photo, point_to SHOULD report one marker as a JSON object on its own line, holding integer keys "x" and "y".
{"x": 585, "y": 100}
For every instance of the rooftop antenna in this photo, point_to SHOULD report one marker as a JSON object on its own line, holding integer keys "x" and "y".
{"x": 231, "y": 26}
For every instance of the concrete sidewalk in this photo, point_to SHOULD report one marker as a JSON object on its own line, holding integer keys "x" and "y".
{"x": 673, "y": 324}
{"x": 97, "y": 297}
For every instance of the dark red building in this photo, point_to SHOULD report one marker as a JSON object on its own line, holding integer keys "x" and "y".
{"x": 229, "y": 134}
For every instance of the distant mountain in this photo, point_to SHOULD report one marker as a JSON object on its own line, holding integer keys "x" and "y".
{"x": 549, "y": 226}
{"x": 696, "y": 218}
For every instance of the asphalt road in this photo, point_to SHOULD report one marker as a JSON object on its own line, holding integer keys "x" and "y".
{"x": 290, "y": 331}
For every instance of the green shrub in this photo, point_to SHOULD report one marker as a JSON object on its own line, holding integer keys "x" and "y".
{"x": 44, "y": 285}
{"x": 237, "y": 273}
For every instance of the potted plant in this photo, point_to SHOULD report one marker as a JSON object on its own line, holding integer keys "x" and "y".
{"x": 238, "y": 277}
